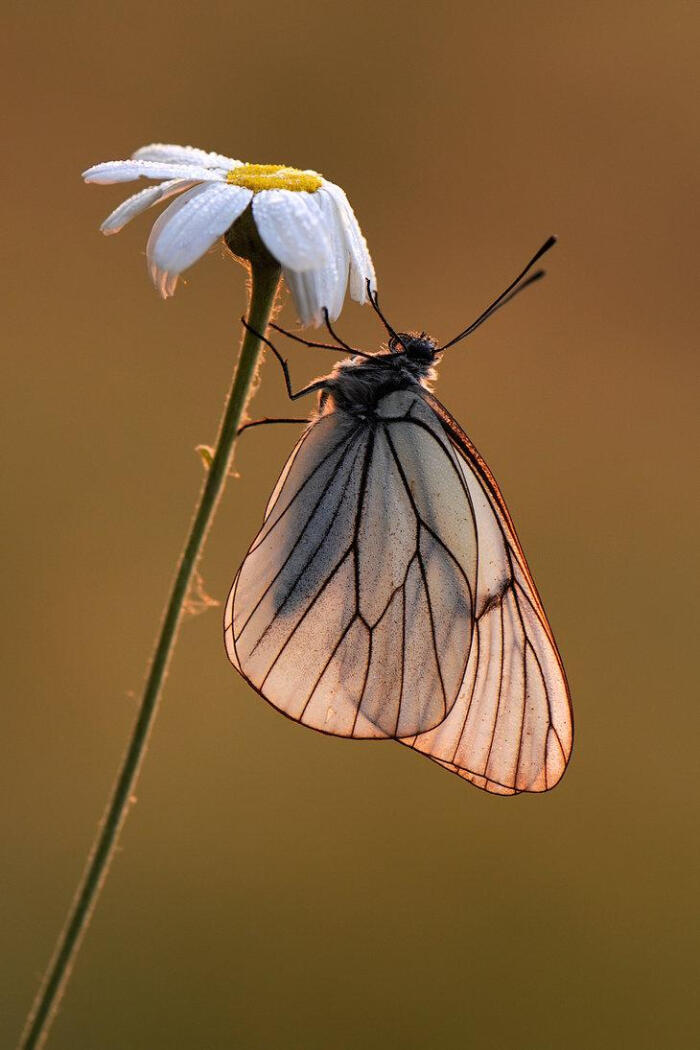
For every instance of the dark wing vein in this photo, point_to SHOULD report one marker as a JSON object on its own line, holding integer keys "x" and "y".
{"x": 306, "y": 612}
{"x": 327, "y": 664}
{"x": 346, "y": 439}
{"x": 500, "y": 687}
{"x": 307, "y": 563}
{"x": 419, "y": 558}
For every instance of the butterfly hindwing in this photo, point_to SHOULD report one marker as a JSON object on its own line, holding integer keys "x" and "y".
{"x": 511, "y": 729}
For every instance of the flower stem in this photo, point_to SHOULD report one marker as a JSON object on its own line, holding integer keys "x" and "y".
{"x": 265, "y": 275}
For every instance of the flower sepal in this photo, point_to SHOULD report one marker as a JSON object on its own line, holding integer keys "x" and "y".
{"x": 245, "y": 243}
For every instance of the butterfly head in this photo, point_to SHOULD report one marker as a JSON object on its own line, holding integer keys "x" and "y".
{"x": 416, "y": 349}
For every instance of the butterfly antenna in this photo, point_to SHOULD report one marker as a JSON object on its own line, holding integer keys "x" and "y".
{"x": 510, "y": 292}
{"x": 532, "y": 279}
{"x": 374, "y": 300}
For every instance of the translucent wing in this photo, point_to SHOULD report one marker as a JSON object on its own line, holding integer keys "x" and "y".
{"x": 511, "y": 729}
{"x": 352, "y": 612}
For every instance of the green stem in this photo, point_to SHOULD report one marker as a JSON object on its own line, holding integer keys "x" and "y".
{"x": 265, "y": 279}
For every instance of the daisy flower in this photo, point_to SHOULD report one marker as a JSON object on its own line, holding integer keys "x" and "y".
{"x": 304, "y": 221}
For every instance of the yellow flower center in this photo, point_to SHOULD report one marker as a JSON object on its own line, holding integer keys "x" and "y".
{"x": 258, "y": 177}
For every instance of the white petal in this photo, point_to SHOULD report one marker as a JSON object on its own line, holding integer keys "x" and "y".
{"x": 361, "y": 266}
{"x": 189, "y": 226}
{"x": 293, "y": 228}
{"x": 169, "y": 285}
{"x": 128, "y": 170}
{"x": 337, "y": 274}
{"x": 314, "y": 289}
{"x": 324, "y": 286}
{"x": 160, "y": 151}
{"x": 301, "y": 285}
{"x": 134, "y": 205}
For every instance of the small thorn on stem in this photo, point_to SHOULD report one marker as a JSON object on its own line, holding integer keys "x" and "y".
{"x": 207, "y": 455}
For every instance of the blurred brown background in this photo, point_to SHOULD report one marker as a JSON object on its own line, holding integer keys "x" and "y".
{"x": 275, "y": 888}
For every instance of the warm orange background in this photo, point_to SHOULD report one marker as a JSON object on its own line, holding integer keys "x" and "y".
{"x": 275, "y": 888}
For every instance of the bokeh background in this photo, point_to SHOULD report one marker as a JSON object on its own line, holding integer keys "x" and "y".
{"x": 275, "y": 888}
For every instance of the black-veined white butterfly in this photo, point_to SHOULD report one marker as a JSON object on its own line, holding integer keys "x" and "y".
{"x": 387, "y": 594}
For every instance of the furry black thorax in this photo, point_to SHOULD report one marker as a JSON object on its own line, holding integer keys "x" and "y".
{"x": 357, "y": 384}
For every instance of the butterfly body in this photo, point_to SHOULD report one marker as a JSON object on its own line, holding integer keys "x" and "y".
{"x": 357, "y": 384}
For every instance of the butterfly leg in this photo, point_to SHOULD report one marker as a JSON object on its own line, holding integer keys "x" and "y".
{"x": 339, "y": 343}
{"x": 293, "y": 395}
{"x": 265, "y": 420}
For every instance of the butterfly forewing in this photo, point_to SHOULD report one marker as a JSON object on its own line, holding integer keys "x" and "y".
{"x": 511, "y": 728}
{"x": 353, "y": 610}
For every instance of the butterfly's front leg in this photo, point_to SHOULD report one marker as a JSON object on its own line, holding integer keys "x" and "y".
{"x": 293, "y": 395}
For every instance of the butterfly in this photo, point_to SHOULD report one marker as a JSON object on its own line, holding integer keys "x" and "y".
{"x": 386, "y": 594}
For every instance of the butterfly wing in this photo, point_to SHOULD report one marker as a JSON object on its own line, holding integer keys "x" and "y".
{"x": 511, "y": 729}
{"x": 352, "y": 612}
